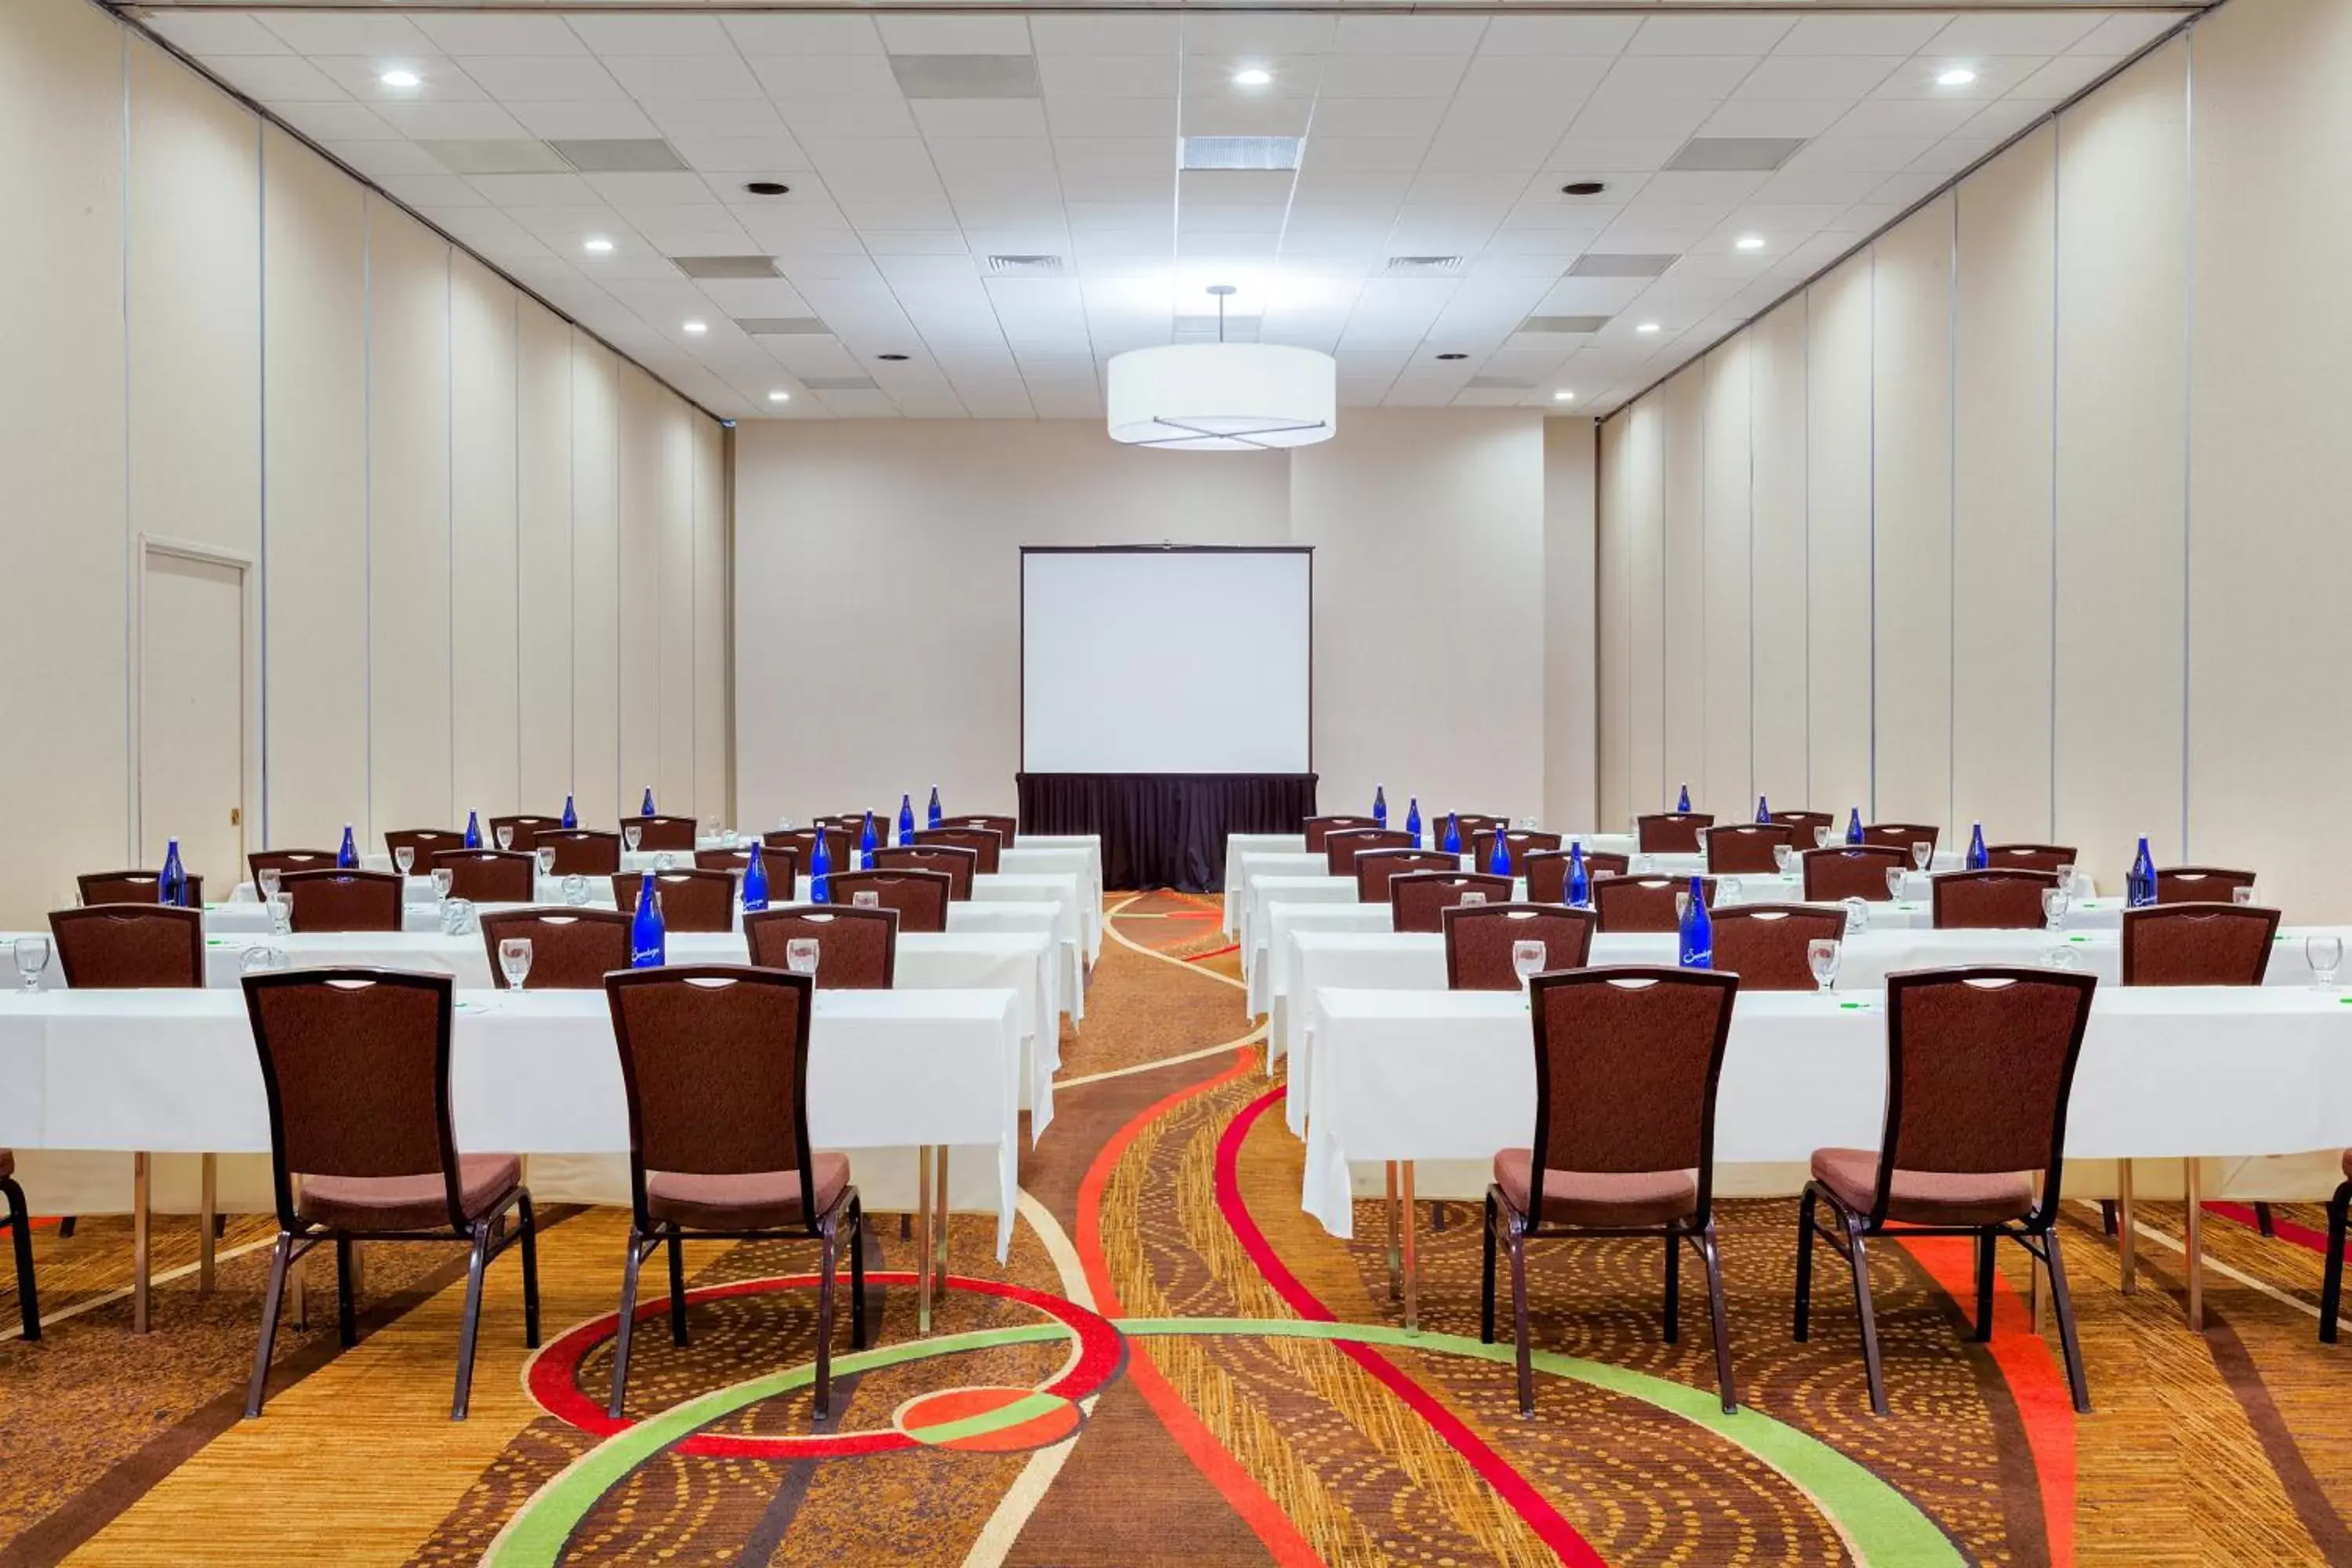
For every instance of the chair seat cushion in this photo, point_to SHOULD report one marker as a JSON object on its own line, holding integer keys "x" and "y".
{"x": 1924, "y": 1197}
{"x": 759, "y": 1200}
{"x": 1597, "y": 1197}
{"x": 484, "y": 1182}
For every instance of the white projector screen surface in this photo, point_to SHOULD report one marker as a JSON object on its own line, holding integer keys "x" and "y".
{"x": 1165, "y": 662}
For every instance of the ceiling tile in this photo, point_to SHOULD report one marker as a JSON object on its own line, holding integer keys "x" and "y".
{"x": 452, "y": 122}
{"x": 346, "y": 33}
{"x": 740, "y": 154}
{"x": 1392, "y": 74}
{"x": 1109, "y": 76}
{"x": 217, "y": 33}
{"x": 1258, "y": 33}
{"x": 685, "y": 117}
{"x": 1639, "y": 116}
{"x": 758, "y": 36}
{"x": 1817, "y": 76}
{"x": 1901, "y": 118}
{"x": 789, "y": 78}
{"x": 1881, "y": 35}
{"x": 701, "y": 76}
{"x": 1713, "y": 35}
{"x": 277, "y": 78}
{"x": 1773, "y": 118}
{"x": 2124, "y": 34}
{"x": 480, "y": 34}
{"x": 1552, "y": 78}
{"x": 329, "y": 122}
{"x": 953, "y": 118}
{"x": 947, "y": 34}
{"x": 2013, "y": 33}
{"x": 541, "y": 78}
{"x": 586, "y": 122}
{"x": 645, "y": 33}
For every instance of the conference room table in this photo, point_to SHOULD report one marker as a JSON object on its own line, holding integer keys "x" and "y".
{"x": 2180, "y": 1072}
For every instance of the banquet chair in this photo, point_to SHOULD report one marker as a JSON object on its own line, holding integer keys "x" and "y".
{"x": 1547, "y": 872}
{"x": 1745, "y": 848}
{"x": 957, "y": 864}
{"x": 1419, "y": 899}
{"x": 1901, "y": 836}
{"x": 570, "y": 950}
{"x": 1478, "y": 941}
{"x": 20, "y": 1232}
{"x": 714, "y": 1062}
{"x": 2189, "y": 944}
{"x": 1670, "y": 832}
{"x": 800, "y": 842}
{"x": 580, "y": 851}
{"x": 133, "y": 887}
{"x": 858, "y": 949}
{"x": 1980, "y": 1063}
{"x": 2198, "y": 884}
{"x": 426, "y": 843}
{"x": 142, "y": 946}
{"x": 2028, "y": 857}
{"x": 733, "y": 860}
{"x": 1518, "y": 842}
{"x": 852, "y": 826}
{"x": 1765, "y": 944}
{"x": 1626, "y": 1063}
{"x": 356, "y": 1066}
{"x": 691, "y": 899}
{"x": 1470, "y": 823}
{"x": 659, "y": 832}
{"x": 921, "y": 898}
{"x": 1644, "y": 903}
{"x": 1804, "y": 827}
{"x": 344, "y": 901}
{"x": 1988, "y": 901}
{"x": 1318, "y": 828}
{"x": 491, "y": 876}
{"x": 1340, "y": 849}
{"x": 527, "y": 829}
{"x": 1005, "y": 827}
{"x": 984, "y": 842}
{"x": 1375, "y": 867}
{"x": 285, "y": 860}
{"x": 1850, "y": 871}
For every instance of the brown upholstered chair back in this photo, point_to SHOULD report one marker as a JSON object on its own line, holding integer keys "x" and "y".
{"x": 427, "y": 842}
{"x": 1418, "y": 900}
{"x": 1319, "y": 828}
{"x": 2198, "y": 945}
{"x": 491, "y": 876}
{"x": 581, "y": 851}
{"x": 1340, "y": 849}
{"x": 133, "y": 887}
{"x": 920, "y": 897}
{"x": 1764, "y": 944}
{"x": 1626, "y": 1066}
{"x": 1518, "y": 843}
{"x": 984, "y": 842}
{"x": 1988, "y": 901}
{"x": 663, "y": 832}
{"x": 801, "y": 844}
{"x": 1004, "y": 827}
{"x": 858, "y": 949}
{"x": 955, "y": 863}
{"x": 570, "y": 950}
{"x": 1670, "y": 832}
{"x": 1850, "y": 872}
{"x": 714, "y": 1060}
{"x": 356, "y": 1066}
{"x": 284, "y": 860}
{"x": 1547, "y": 872}
{"x": 527, "y": 829}
{"x": 1644, "y": 903}
{"x": 1478, "y": 941}
{"x": 344, "y": 901}
{"x": 2028, "y": 857}
{"x": 1470, "y": 824}
{"x": 130, "y": 946}
{"x": 1804, "y": 826}
{"x": 851, "y": 825}
{"x": 1745, "y": 848}
{"x": 1374, "y": 868}
{"x": 691, "y": 899}
{"x": 2198, "y": 884}
{"x": 1900, "y": 835}
{"x": 1980, "y": 1065}
{"x": 725, "y": 859}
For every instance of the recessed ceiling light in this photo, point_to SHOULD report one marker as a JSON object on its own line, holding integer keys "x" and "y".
{"x": 1251, "y": 76}
{"x": 780, "y": 395}
{"x": 1563, "y": 398}
{"x": 1583, "y": 188}
{"x": 892, "y": 359}
{"x": 697, "y": 326}
{"x": 598, "y": 247}
{"x": 768, "y": 188}
{"x": 1648, "y": 327}
{"x": 399, "y": 79}
{"x": 1958, "y": 75}
{"x": 1750, "y": 242}
{"x": 1453, "y": 356}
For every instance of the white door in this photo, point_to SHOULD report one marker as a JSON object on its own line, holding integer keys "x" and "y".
{"x": 191, "y": 717}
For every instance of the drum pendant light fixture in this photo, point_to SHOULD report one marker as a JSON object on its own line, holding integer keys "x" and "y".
{"x": 1222, "y": 396}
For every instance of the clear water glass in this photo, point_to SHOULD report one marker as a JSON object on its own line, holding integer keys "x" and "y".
{"x": 281, "y": 914}
{"x": 1729, "y": 889}
{"x": 1527, "y": 825}
{"x": 1782, "y": 857}
{"x": 1922, "y": 853}
{"x": 2055, "y": 902}
{"x": 506, "y": 835}
{"x": 1473, "y": 899}
{"x": 801, "y": 955}
{"x": 514, "y": 960}
{"x": 865, "y": 898}
{"x": 2062, "y": 957}
{"x": 631, "y": 836}
{"x": 1895, "y": 875}
{"x": 1528, "y": 961}
{"x": 32, "y": 959}
{"x": 728, "y": 839}
{"x": 1643, "y": 864}
{"x": 1682, "y": 904}
{"x": 2241, "y": 895}
{"x": 1821, "y": 956}
{"x": 457, "y": 917}
{"x": 261, "y": 958}
{"x": 2323, "y": 952}
{"x": 442, "y": 878}
{"x": 710, "y": 828}
{"x": 2066, "y": 878}
{"x": 1857, "y": 917}
{"x": 404, "y": 859}
{"x": 784, "y": 825}
{"x": 1821, "y": 837}
{"x": 575, "y": 889}
{"x": 547, "y": 860}
{"x": 268, "y": 881}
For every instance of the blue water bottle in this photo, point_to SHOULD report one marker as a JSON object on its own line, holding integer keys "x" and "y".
{"x": 2139, "y": 885}
{"x": 1380, "y": 807}
{"x": 1853, "y": 827}
{"x": 1453, "y": 844}
{"x": 1412, "y": 818}
{"x": 648, "y": 941}
{"x": 1682, "y": 802}
{"x": 571, "y": 817}
{"x": 473, "y": 830}
{"x": 821, "y": 868}
{"x": 1498, "y": 859}
{"x": 906, "y": 819}
{"x": 173, "y": 888}
{"x": 648, "y": 809}
{"x": 1978, "y": 859}
{"x": 755, "y": 881}
{"x": 866, "y": 846}
{"x": 1763, "y": 812}
{"x": 347, "y": 859}
{"x": 1698, "y": 931}
{"x": 1579, "y": 881}
{"x": 937, "y": 815}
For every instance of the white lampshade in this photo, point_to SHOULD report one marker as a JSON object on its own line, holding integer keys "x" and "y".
{"x": 1223, "y": 397}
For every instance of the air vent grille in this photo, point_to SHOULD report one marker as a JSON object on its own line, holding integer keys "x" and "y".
{"x": 1026, "y": 266}
{"x": 1239, "y": 152}
{"x": 726, "y": 265}
{"x": 1594, "y": 264}
{"x": 1563, "y": 323}
{"x": 1421, "y": 267}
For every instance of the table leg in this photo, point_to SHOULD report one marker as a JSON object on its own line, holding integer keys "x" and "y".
{"x": 1412, "y": 1253}
{"x": 2126, "y": 1239}
{"x": 1396, "y": 1261}
{"x": 296, "y": 1273}
{"x": 923, "y": 1239}
{"x": 207, "y": 1206}
{"x": 359, "y": 1270}
{"x": 941, "y": 1259}
{"x": 140, "y": 1179}
{"x": 2194, "y": 1238}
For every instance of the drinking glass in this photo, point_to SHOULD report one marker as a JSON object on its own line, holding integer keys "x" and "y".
{"x": 281, "y": 914}
{"x": 2241, "y": 895}
{"x": 2055, "y": 901}
{"x": 2323, "y": 952}
{"x": 728, "y": 839}
{"x": 1781, "y": 856}
{"x": 269, "y": 881}
{"x": 784, "y": 825}
{"x": 1729, "y": 889}
{"x": 457, "y": 917}
{"x": 404, "y": 859}
{"x": 1821, "y": 837}
{"x": 1822, "y": 957}
{"x": 865, "y": 898}
{"x": 801, "y": 954}
{"x": 1643, "y": 864}
{"x": 547, "y": 860}
{"x": 631, "y": 835}
{"x": 1857, "y": 917}
{"x": 2062, "y": 956}
{"x": 2066, "y": 878}
{"x": 261, "y": 958}
{"x": 1528, "y": 961}
{"x": 665, "y": 861}
{"x": 514, "y": 960}
{"x": 1921, "y": 854}
{"x": 32, "y": 958}
{"x": 1473, "y": 899}
{"x": 1895, "y": 875}
{"x": 1527, "y": 825}
{"x": 575, "y": 889}
{"x": 1682, "y": 904}
{"x": 442, "y": 877}
{"x": 506, "y": 835}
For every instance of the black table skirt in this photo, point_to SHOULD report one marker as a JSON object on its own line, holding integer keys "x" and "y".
{"x": 1165, "y": 830}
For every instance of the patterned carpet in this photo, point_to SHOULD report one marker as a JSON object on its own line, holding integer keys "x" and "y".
{"x": 1177, "y": 1367}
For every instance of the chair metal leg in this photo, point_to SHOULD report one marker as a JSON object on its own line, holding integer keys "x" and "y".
{"x": 1718, "y": 1319}
{"x": 1985, "y": 1241}
{"x": 1673, "y": 1308}
{"x": 141, "y": 1287}
{"x": 2331, "y": 1289}
{"x": 2193, "y": 1239}
{"x": 530, "y": 1226}
{"x": 2110, "y": 1220}
{"x": 472, "y": 1323}
{"x": 829, "y": 1235}
{"x": 923, "y": 1244}
{"x": 2065, "y": 1305}
{"x": 940, "y": 1204}
{"x": 906, "y": 1227}
{"x": 676, "y": 1250}
{"x": 20, "y": 1227}
{"x": 280, "y": 1254}
{"x": 1804, "y": 1265}
{"x": 1518, "y": 1244}
{"x": 208, "y": 1227}
{"x": 1412, "y": 1249}
{"x": 346, "y": 1320}
{"x": 65, "y": 1227}
{"x": 624, "y": 1327}
{"x": 1872, "y": 1371}
{"x": 1487, "y": 1275}
{"x": 1396, "y": 1258}
{"x": 856, "y": 1273}
{"x": 2263, "y": 1222}
{"x": 2125, "y": 1233}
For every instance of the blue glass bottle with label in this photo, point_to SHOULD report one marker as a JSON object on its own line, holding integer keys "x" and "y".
{"x": 755, "y": 880}
{"x": 1697, "y": 948}
{"x": 1978, "y": 859}
{"x": 1853, "y": 827}
{"x": 821, "y": 868}
{"x": 906, "y": 819}
{"x": 1682, "y": 801}
{"x": 570, "y": 815}
{"x": 1763, "y": 812}
{"x": 1498, "y": 858}
{"x": 866, "y": 846}
{"x": 648, "y": 809}
{"x": 1412, "y": 818}
{"x": 473, "y": 830}
{"x": 172, "y": 887}
{"x": 1453, "y": 844}
{"x": 2139, "y": 884}
{"x": 347, "y": 859}
{"x": 1380, "y": 807}
{"x": 937, "y": 815}
{"x": 648, "y": 941}
{"x": 1580, "y": 880}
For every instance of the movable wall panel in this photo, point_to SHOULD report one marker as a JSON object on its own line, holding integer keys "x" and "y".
{"x": 596, "y": 778}
{"x": 1781, "y": 717}
{"x": 485, "y": 644}
{"x": 1728, "y": 579}
{"x": 1838, "y": 549}
{"x": 543, "y": 597}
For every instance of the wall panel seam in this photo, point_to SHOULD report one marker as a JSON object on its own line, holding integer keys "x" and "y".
{"x": 261, "y": 425}
{"x": 1952, "y": 526}
{"x": 133, "y": 785}
{"x": 367, "y": 505}
{"x": 2188, "y": 398}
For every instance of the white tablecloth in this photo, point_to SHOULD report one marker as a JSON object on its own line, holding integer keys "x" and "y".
{"x": 2165, "y": 1072}
{"x": 537, "y": 1073}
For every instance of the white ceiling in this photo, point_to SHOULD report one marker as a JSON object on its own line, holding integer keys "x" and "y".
{"x": 1424, "y": 134}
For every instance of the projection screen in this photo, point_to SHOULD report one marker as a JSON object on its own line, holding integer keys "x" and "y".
{"x": 1166, "y": 659}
